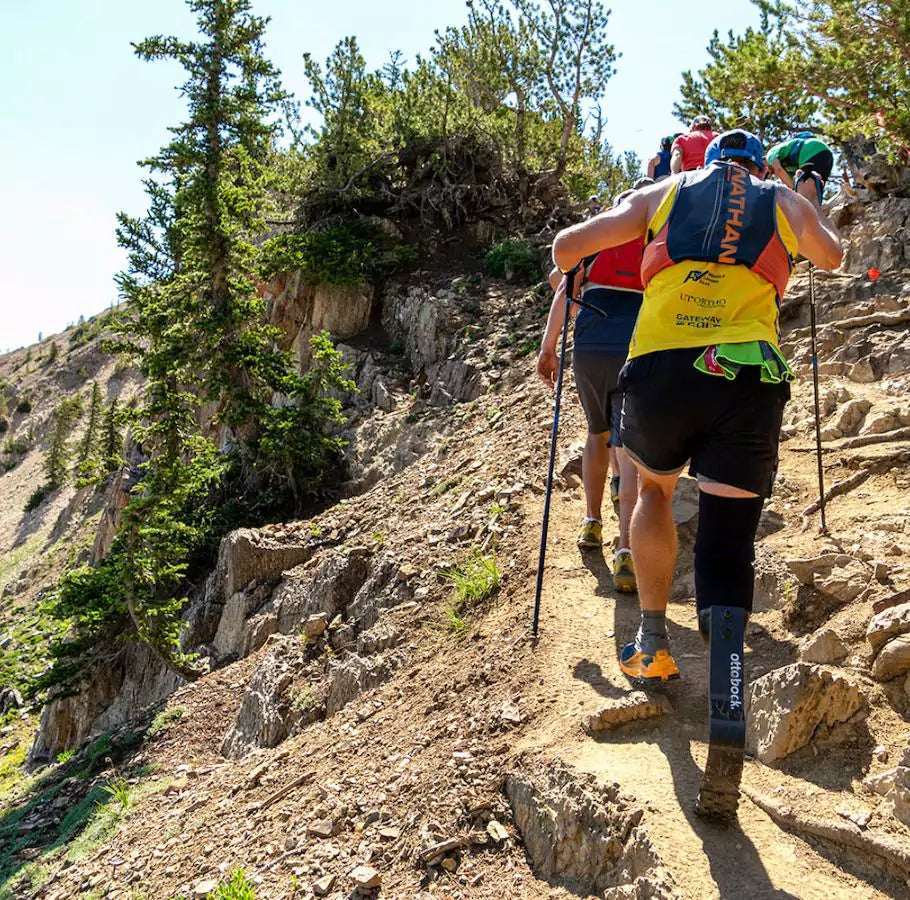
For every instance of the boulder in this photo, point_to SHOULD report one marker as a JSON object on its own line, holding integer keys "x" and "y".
{"x": 888, "y": 624}
{"x": 351, "y": 677}
{"x": 893, "y": 659}
{"x": 329, "y": 588}
{"x": 848, "y": 419}
{"x": 10, "y": 699}
{"x": 247, "y": 555}
{"x": 315, "y": 625}
{"x": 822, "y": 647}
{"x": 794, "y": 705}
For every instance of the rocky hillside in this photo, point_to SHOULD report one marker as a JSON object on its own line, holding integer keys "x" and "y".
{"x": 376, "y": 721}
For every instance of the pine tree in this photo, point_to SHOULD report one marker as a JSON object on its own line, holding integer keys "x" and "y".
{"x": 197, "y": 324}
{"x": 87, "y": 458}
{"x": 112, "y": 444}
{"x": 57, "y": 457}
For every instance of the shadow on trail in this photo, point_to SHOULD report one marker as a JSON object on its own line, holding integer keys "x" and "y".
{"x": 734, "y": 861}
{"x": 593, "y": 560}
{"x": 735, "y": 864}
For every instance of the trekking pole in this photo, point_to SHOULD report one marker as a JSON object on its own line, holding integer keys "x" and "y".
{"x": 570, "y": 285}
{"x": 818, "y": 427}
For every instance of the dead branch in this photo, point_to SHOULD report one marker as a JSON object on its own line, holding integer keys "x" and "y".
{"x": 284, "y": 791}
{"x": 886, "y": 320}
{"x": 874, "y": 465}
{"x": 866, "y": 440}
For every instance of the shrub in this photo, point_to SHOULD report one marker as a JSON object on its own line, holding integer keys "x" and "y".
{"x": 38, "y": 497}
{"x": 163, "y": 721}
{"x": 237, "y": 887}
{"x": 23, "y": 406}
{"x": 516, "y": 261}
{"x": 339, "y": 255}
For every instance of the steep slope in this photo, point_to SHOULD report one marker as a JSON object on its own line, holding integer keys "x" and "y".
{"x": 368, "y": 718}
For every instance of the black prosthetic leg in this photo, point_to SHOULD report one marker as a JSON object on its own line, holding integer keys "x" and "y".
{"x": 719, "y": 794}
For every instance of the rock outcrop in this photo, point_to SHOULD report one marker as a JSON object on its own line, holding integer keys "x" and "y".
{"x": 793, "y": 705}
{"x": 586, "y": 833}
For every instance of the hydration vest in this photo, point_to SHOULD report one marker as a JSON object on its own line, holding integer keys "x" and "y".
{"x": 617, "y": 267}
{"x": 720, "y": 214}
{"x": 716, "y": 263}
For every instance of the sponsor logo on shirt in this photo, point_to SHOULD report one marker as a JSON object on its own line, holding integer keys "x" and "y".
{"x": 698, "y": 321}
{"x": 702, "y": 276}
{"x": 704, "y": 302}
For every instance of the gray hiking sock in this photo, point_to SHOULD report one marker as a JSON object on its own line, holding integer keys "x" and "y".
{"x": 652, "y": 633}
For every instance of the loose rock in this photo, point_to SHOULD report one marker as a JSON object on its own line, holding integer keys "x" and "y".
{"x": 893, "y": 659}
{"x": 822, "y": 647}
{"x": 315, "y": 625}
{"x": 365, "y": 878}
{"x": 887, "y": 624}
{"x": 324, "y": 885}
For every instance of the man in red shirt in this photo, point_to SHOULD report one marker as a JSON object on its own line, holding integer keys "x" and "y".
{"x": 688, "y": 151}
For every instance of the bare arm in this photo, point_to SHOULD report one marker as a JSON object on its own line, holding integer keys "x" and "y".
{"x": 781, "y": 173}
{"x": 548, "y": 359}
{"x": 652, "y": 165}
{"x": 555, "y": 278}
{"x": 818, "y": 239}
{"x": 676, "y": 159}
{"x": 616, "y": 226}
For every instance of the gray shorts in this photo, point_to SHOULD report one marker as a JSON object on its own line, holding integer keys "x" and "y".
{"x": 597, "y": 380}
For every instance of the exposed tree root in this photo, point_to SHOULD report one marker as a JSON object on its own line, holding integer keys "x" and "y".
{"x": 838, "y": 488}
{"x": 872, "y": 465}
{"x": 846, "y": 834}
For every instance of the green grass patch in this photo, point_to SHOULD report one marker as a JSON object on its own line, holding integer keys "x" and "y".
{"x": 236, "y": 887}
{"x": 163, "y": 721}
{"x": 474, "y": 581}
{"x": 443, "y": 487}
{"x": 12, "y": 562}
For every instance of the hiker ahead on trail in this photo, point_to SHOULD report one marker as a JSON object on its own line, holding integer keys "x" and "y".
{"x": 611, "y": 291}
{"x": 803, "y": 152}
{"x": 688, "y": 150}
{"x": 659, "y": 164}
{"x": 706, "y": 384}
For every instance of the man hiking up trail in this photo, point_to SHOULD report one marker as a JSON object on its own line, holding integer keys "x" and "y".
{"x": 706, "y": 382}
{"x": 802, "y": 153}
{"x": 612, "y": 284}
{"x": 688, "y": 150}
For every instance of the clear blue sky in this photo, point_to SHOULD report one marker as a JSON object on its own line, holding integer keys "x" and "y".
{"x": 78, "y": 110}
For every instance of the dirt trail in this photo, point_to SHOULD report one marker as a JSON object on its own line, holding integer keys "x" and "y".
{"x": 660, "y": 761}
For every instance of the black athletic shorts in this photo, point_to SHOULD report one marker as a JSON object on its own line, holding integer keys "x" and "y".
{"x": 597, "y": 380}
{"x": 728, "y": 430}
{"x": 822, "y": 162}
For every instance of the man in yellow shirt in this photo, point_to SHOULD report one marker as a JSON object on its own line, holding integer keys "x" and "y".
{"x": 706, "y": 382}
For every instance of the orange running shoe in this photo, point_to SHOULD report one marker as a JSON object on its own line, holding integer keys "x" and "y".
{"x": 647, "y": 667}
